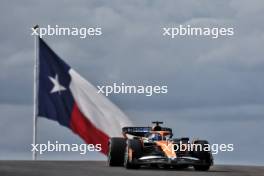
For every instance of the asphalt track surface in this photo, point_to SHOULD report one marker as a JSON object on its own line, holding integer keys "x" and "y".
{"x": 99, "y": 168}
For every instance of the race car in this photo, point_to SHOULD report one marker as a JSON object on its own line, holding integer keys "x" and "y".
{"x": 155, "y": 147}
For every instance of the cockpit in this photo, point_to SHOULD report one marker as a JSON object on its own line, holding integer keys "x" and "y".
{"x": 158, "y": 136}
{"x": 154, "y": 136}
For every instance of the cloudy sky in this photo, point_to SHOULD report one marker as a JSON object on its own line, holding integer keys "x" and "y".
{"x": 215, "y": 86}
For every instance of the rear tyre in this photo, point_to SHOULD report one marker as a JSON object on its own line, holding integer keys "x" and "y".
{"x": 116, "y": 151}
{"x": 204, "y": 155}
{"x": 133, "y": 151}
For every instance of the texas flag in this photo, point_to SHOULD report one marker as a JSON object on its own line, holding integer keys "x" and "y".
{"x": 72, "y": 101}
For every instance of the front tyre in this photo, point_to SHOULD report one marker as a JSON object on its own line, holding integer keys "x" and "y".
{"x": 116, "y": 151}
{"x": 204, "y": 155}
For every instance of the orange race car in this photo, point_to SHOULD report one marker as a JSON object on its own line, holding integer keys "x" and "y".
{"x": 146, "y": 146}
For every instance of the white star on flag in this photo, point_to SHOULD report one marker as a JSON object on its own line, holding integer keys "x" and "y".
{"x": 57, "y": 87}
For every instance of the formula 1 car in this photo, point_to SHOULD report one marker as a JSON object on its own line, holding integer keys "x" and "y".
{"x": 155, "y": 147}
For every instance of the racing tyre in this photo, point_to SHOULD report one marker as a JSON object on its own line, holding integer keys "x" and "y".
{"x": 203, "y": 155}
{"x": 116, "y": 151}
{"x": 133, "y": 151}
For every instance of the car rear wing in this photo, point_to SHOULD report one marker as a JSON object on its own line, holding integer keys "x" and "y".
{"x": 140, "y": 131}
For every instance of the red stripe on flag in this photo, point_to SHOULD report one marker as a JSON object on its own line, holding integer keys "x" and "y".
{"x": 87, "y": 131}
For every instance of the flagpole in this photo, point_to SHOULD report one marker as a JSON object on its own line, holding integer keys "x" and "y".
{"x": 35, "y": 94}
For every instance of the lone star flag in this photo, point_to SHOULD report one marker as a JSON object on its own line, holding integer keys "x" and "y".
{"x": 69, "y": 99}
